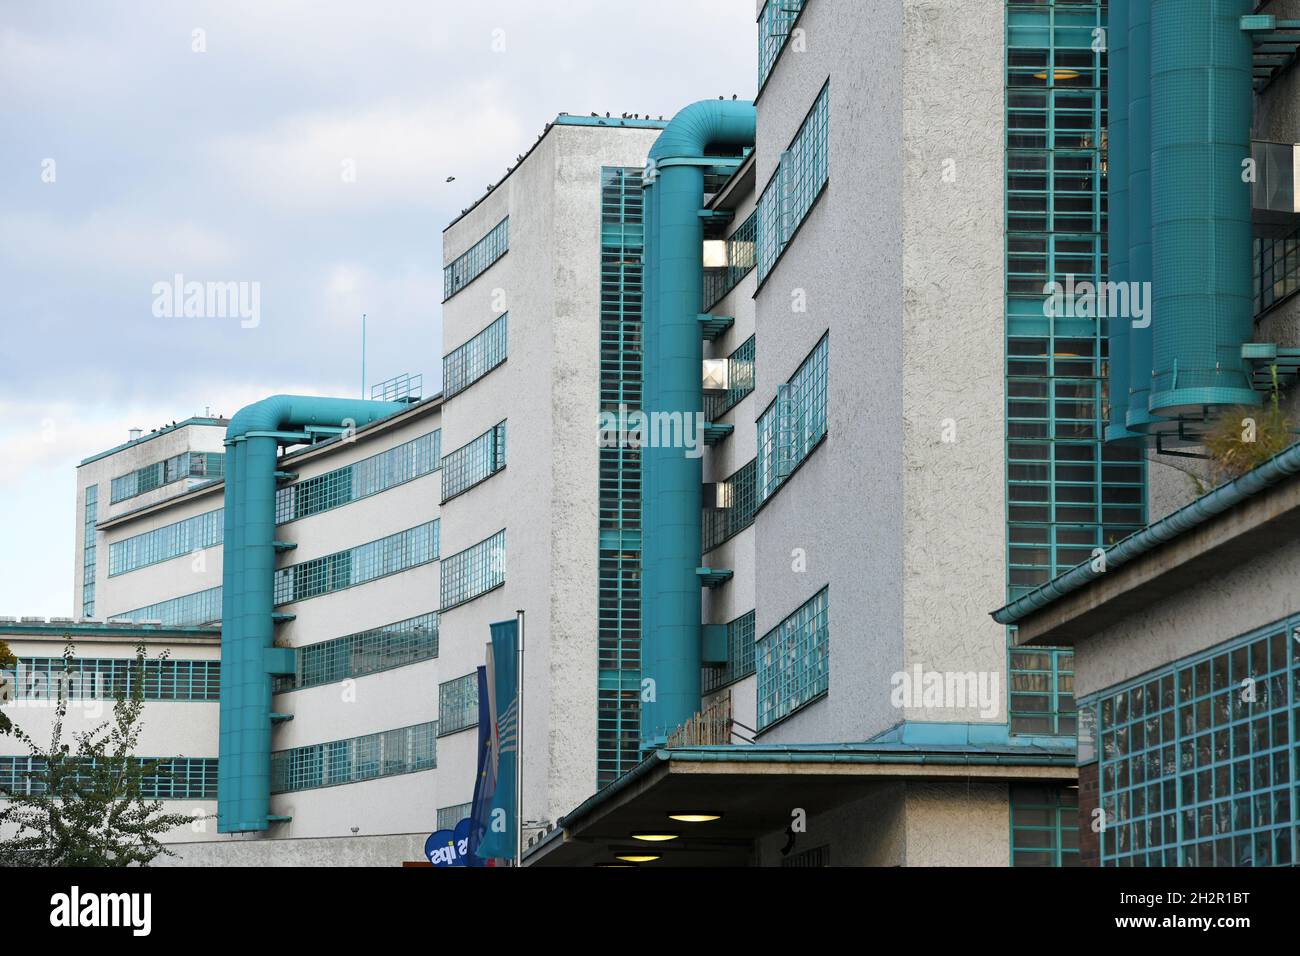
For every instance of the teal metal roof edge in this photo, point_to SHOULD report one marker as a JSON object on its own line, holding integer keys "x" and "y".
{"x": 73, "y": 628}
{"x": 1281, "y": 466}
{"x": 220, "y": 422}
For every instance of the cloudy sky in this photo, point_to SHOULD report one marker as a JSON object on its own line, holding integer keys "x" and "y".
{"x": 129, "y": 156}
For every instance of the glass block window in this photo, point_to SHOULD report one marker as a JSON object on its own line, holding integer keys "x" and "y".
{"x": 473, "y": 572}
{"x": 190, "y": 464}
{"x": 165, "y": 543}
{"x": 740, "y": 378}
{"x": 473, "y": 263}
{"x": 89, "y": 550}
{"x": 1044, "y": 825}
{"x": 388, "y": 469}
{"x": 458, "y": 704}
{"x": 800, "y": 176}
{"x": 740, "y": 262}
{"x": 473, "y": 463}
{"x": 1042, "y": 691}
{"x": 1199, "y": 758}
{"x": 201, "y": 607}
{"x": 795, "y": 422}
{"x": 366, "y": 562}
{"x": 774, "y": 25}
{"x": 365, "y": 652}
{"x": 618, "y": 623}
{"x": 1277, "y": 270}
{"x": 463, "y": 366}
{"x": 793, "y": 661}
{"x": 448, "y": 817}
{"x": 173, "y": 778}
{"x": 386, "y": 754}
{"x": 105, "y": 678}
{"x": 720, "y": 524}
{"x": 740, "y": 656}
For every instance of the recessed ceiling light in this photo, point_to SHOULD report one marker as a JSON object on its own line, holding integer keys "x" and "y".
{"x": 637, "y": 857}
{"x": 655, "y": 837}
{"x": 1058, "y": 74}
{"x": 695, "y": 817}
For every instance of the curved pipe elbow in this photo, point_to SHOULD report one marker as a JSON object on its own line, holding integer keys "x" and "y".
{"x": 707, "y": 123}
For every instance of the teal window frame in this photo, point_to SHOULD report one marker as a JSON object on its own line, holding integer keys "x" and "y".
{"x": 448, "y": 817}
{"x": 741, "y": 259}
{"x": 720, "y": 525}
{"x": 366, "y": 562}
{"x": 174, "y": 778}
{"x": 163, "y": 544}
{"x": 188, "y": 610}
{"x": 1042, "y": 691}
{"x": 797, "y": 183}
{"x": 1044, "y": 825}
{"x": 389, "y": 753}
{"x": 775, "y": 23}
{"x": 458, "y": 704}
{"x": 89, "y": 550}
{"x": 466, "y": 364}
{"x": 473, "y": 572}
{"x": 371, "y": 651}
{"x": 792, "y": 661}
{"x": 471, "y": 264}
{"x": 795, "y": 422}
{"x": 474, "y": 462}
{"x": 740, "y": 379}
{"x": 740, "y": 656}
{"x": 106, "y": 678}
{"x": 1277, "y": 270}
{"x": 190, "y": 464}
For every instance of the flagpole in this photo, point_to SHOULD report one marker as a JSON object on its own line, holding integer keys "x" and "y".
{"x": 519, "y": 747}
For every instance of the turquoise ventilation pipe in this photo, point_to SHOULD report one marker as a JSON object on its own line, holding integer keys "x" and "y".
{"x": 248, "y": 657}
{"x": 1202, "y": 105}
{"x": 1117, "y": 189}
{"x": 1138, "y": 107}
{"x": 671, "y": 484}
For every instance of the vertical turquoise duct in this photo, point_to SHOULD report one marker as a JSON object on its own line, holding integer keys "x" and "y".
{"x": 1201, "y": 104}
{"x": 674, "y": 353}
{"x": 248, "y": 569}
{"x": 1139, "y": 209}
{"x": 1117, "y": 188}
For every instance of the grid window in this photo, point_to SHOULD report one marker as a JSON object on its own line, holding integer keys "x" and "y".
{"x": 740, "y": 656}
{"x": 473, "y": 463}
{"x": 1198, "y": 759}
{"x": 800, "y": 176}
{"x": 473, "y": 572}
{"x": 721, "y": 524}
{"x": 1042, "y": 692}
{"x": 793, "y": 661}
{"x": 397, "y": 465}
{"x": 458, "y": 704}
{"x": 1044, "y": 825}
{"x": 188, "y": 610}
{"x": 740, "y": 379}
{"x": 197, "y": 464}
{"x": 774, "y": 24}
{"x": 386, "y": 754}
{"x": 89, "y": 551}
{"x": 794, "y": 423}
{"x": 1277, "y": 270}
{"x": 106, "y": 678}
{"x": 171, "y": 778}
{"x": 740, "y": 262}
{"x": 165, "y": 543}
{"x": 464, "y": 366}
{"x": 473, "y": 263}
{"x": 365, "y": 652}
{"x": 366, "y": 562}
{"x": 448, "y": 817}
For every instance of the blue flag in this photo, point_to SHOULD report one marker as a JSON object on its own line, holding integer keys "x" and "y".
{"x": 485, "y": 783}
{"x": 500, "y": 834}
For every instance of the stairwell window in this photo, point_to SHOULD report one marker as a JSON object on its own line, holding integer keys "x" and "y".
{"x": 793, "y": 661}
{"x": 476, "y": 260}
{"x": 795, "y": 423}
{"x": 800, "y": 176}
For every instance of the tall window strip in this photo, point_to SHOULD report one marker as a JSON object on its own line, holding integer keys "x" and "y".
{"x": 388, "y": 469}
{"x": 473, "y": 463}
{"x": 1199, "y": 759}
{"x": 1044, "y": 825}
{"x": 165, "y": 543}
{"x": 473, "y": 263}
{"x": 1277, "y": 270}
{"x": 800, "y": 176}
{"x": 366, "y": 562}
{"x": 774, "y": 25}
{"x": 1042, "y": 692}
{"x": 190, "y": 464}
{"x": 793, "y": 661}
{"x": 733, "y": 509}
{"x": 740, "y": 656}
{"x": 106, "y": 678}
{"x": 473, "y": 572}
{"x": 365, "y": 652}
{"x": 448, "y": 817}
{"x": 172, "y": 778}
{"x": 795, "y": 422}
{"x": 740, "y": 382}
{"x": 458, "y": 704}
{"x": 464, "y": 366}
{"x": 188, "y": 610}
{"x": 740, "y": 262}
{"x": 89, "y": 550}
{"x": 386, "y": 754}
{"x": 618, "y": 692}
{"x": 1067, "y": 491}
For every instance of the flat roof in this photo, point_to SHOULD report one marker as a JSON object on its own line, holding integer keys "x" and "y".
{"x": 56, "y": 629}
{"x": 222, "y": 422}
